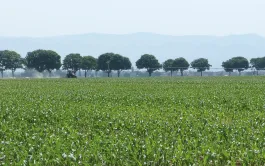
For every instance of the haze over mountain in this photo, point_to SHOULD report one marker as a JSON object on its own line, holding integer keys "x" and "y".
{"x": 217, "y": 49}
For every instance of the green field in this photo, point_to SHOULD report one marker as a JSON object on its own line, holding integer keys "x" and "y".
{"x": 133, "y": 121}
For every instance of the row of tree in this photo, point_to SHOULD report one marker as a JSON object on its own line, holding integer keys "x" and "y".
{"x": 42, "y": 60}
{"x": 48, "y": 60}
{"x": 181, "y": 64}
{"x": 236, "y": 63}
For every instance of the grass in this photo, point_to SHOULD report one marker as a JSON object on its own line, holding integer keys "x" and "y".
{"x": 133, "y": 121}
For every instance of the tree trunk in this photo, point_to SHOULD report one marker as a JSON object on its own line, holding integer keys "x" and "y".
{"x": 90, "y": 74}
{"x": 229, "y": 73}
{"x": 85, "y": 73}
{"x": 119, "y": 72}
{"x": 108, "y": 73}
{"x": 13, "y": 73}
{"x": 2, "y": 73}
{"x": 181, "y": 71}
{"x": 50, "y": 73}
{"x": 150, "y": 74}
{"x": 201, "y": 73}
{"x": 257, "y": 72}
{"x": 171, "y": 72}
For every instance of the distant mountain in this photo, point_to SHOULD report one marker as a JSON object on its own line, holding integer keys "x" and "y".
{"x": 216, "y": 49}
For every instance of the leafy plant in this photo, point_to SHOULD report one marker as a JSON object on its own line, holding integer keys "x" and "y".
{"x": 139, "y": 121}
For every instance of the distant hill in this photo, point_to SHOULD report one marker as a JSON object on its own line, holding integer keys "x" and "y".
{"x": 216, "y": 49}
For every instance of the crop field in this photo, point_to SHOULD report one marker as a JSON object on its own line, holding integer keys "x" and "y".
{"x": 133, "y": 121}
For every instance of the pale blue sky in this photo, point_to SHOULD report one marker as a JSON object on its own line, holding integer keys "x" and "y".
{"x": 174, "y": 17}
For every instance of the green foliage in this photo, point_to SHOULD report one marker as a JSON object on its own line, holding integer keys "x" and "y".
{"x": 110, "y": 61}
{"x": 181, "y": 64}
{"x": 104, "y": 62}
{"x": 116, "y": 62}
{"x": 236, "y": 63}
{"x": 88, "y": 63}
{"x": 42, "y": 60}
{"x": 258, "y": 63}
{"x": 127, "y": 65}
{"x": 168, "y": 65}
{"x": 72, "y": 62}
{"x": 124, "y": 64}
{"x": 148, "y": 62}
{"x": 200, "y": 64}
{"x": 10, "y": 60}
{"x": 154, "y": 121}
{"x": 228, "y": 66}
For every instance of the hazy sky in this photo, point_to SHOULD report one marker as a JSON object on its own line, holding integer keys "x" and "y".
{"x": 175, "y": 17}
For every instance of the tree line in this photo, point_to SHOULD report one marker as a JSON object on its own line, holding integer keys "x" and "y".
{"x": 48, "y": 60}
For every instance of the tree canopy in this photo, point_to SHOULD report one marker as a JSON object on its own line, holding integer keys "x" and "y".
{"x": 105, "y": 62}
{"x": 11, "y": 60}
{"x": 200, "y": 65}
{"x": 110, "y": 61}
{"x": 116, "y": 62}
{"x": 168, "y": 66}
{"x": 258, "y": 63}
{"x": 181, "y": 64}
{"x": 148, "y": 62}
{"x": 127, "y": 64}
{"x": 42, "y": 60}
{"x": 121, "y": 63}
{"x": 88, "y": 63}
{"x": 72, "y": 62}
{"x": 228, "y": 66}
{"x": 236, "y": 63}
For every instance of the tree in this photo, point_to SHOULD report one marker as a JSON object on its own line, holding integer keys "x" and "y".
{"x": 236, "y": 63}
{"x": 125, "y": 65}
{"x": 88, "y": 63}
{"x": 11, "y": 61}
{"x": 42, "y": 60}
{"x": 200, "y": 65}
{"x": 116, "y": 63}
{"x": 104, "y": 61}
{"x": 228, "y": 66}
{"x": 258, "y": 64}
{"x": 110, "y": 61}
{"x": 2, "y": 67}
{"x": 181, "y": 64}
{"x": 148, "y": 62}
{"x": 168, "y": 66}
{"x": 72, "y": 62}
